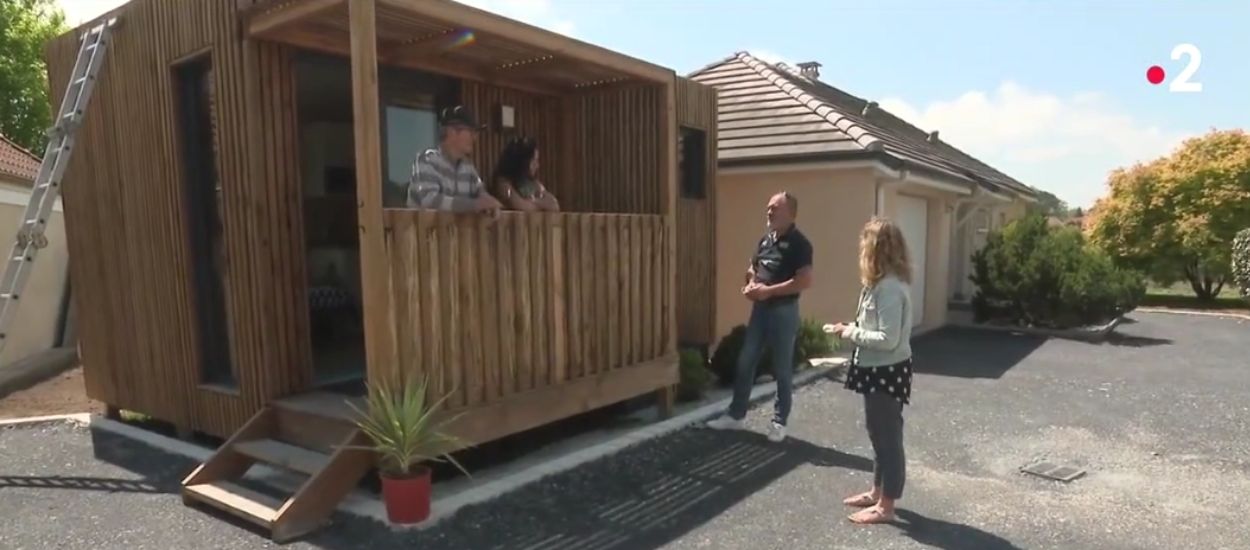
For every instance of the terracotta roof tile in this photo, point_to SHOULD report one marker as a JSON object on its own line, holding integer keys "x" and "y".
{"x": 17, "y": 162}
{"x": 769, "y": 111}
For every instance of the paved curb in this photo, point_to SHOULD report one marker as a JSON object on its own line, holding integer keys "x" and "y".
{"x": 35, "y": 369}
{"x": 1095, "y": 335}
{"x": 445, "y": 506}
{"x": 1193, "y": 312}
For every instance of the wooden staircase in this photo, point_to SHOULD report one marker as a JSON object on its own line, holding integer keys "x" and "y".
{"x": 304, "y": 435}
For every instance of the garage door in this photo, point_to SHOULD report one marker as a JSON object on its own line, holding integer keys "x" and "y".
{"x": 913, "y": 219}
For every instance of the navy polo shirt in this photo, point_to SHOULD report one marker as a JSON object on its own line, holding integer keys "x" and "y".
{"x": 779, "y": 259}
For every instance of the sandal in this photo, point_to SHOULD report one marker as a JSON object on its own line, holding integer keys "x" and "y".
{"x": 870, "y": 516}
{"x": 862, "y": 500}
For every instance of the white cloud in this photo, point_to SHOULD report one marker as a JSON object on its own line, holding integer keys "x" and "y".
{"x": 80, "y": 11}
{"x": 770, "y": 56}
{"x": 1066, "y": 146}
{"x": 535, "y": 12}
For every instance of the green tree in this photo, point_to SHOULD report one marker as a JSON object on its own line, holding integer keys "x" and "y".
{"x": 1175, "y": 217}
{"x": 1048, "y": 205}
{"x": 25, "y": 26}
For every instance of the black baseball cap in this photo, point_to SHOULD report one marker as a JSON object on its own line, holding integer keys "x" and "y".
{"x": 459, "y": 116}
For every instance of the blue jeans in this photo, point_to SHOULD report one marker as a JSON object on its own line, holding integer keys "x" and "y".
{"x": 775, "y": 327}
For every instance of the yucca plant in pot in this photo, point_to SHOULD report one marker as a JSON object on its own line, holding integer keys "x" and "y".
{"x": 406, "y": 429}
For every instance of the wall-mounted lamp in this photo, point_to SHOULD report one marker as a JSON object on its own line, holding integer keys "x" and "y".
{"x": 505, "y": 117}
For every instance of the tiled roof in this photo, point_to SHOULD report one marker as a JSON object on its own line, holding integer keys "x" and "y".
{"x": 769, "y": 112}
{"x": 17, "y": 162}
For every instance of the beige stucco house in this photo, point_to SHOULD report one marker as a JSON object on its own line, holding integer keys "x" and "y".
{"x": 41, "y": 322}
{"x": 846, "y": 159}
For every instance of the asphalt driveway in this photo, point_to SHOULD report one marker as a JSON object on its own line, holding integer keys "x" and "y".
{"x": 1158, "y": 417}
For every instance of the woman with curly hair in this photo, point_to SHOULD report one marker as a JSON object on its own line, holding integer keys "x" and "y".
{"x": 880, "y": 366}
{"x": 516, "y": 178}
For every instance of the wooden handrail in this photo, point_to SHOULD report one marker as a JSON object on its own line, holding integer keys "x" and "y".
{"x": 493, "y": 307}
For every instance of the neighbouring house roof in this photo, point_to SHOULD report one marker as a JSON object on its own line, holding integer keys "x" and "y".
{"x": 17, "y": 162}
{"x": 771, "y": 112}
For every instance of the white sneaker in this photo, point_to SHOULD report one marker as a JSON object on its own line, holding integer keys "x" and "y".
{"x": 776, "y": 433}
{"x": 726, "y": 423}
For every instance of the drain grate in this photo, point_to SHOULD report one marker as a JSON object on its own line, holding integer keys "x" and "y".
{"x": 1050, "y": 470}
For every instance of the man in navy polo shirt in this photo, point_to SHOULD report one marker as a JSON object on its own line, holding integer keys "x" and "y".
{"x": 780, "y": 269}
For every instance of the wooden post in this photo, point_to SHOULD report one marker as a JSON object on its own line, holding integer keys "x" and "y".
{"x": 668, "y": 159}
{"x": 379, "y": 333}
{"x": 668, "y": 181}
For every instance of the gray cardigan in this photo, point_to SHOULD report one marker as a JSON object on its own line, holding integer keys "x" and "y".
{"x": 882, "y": 330}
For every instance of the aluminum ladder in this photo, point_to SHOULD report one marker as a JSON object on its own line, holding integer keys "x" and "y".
{"x": 47, "y": 185}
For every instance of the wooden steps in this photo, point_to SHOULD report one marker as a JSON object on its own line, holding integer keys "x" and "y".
{"x": 309, "y": 442}
{"x": 235, "y": 499}
{"x": 285, "y": 455}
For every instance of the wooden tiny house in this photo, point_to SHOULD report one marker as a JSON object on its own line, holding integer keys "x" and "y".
{"x": 242, "y": 256}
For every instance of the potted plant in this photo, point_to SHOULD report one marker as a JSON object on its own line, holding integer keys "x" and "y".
{"x": 406, "y": 429}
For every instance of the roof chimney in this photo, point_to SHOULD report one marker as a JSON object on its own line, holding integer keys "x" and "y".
{"x": 810, "y": 69}
{"x": 868, "y": 107}
{"x": 933, "y": 136}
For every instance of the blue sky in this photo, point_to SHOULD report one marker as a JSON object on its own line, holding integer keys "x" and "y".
{"x": 1053, "y": 93}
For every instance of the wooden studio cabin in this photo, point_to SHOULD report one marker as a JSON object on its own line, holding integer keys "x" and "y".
{"x": 243, "y": 258}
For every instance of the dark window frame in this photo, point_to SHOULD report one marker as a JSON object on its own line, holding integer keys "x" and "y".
{"x": 193, "y": 80}
{"x": 692, "y": 162}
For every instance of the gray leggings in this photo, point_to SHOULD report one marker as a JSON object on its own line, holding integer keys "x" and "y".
{"x": 883, "y": 415}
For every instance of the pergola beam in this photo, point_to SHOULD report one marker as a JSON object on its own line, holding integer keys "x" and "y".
{"x": 476, "y": 20}
{"x": 303, "y": 38}
{"x": 266, "y": 20}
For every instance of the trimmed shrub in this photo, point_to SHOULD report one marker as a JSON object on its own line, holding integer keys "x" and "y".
{"x": 1032, "y": 274}
{"x": 1241, "y": 262}
{"x": 812, "y": 342}
{"x": 695, "y": 376}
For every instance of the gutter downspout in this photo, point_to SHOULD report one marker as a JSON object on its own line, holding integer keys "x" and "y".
{"x": 886, "y": 178}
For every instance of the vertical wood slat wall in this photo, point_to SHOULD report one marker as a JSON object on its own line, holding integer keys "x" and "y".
{"x": 127, "y": 217}
{"x": 537, "y": 116}
{"x": 490, "y": 309}
{"x": 696, "y": 223}
{"x": 597, "y": 148}
{"x": 616, "y": 136}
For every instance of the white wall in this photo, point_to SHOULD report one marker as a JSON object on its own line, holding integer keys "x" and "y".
{"x": 35, "y": 324}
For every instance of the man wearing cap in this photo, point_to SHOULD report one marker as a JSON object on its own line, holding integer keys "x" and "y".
{"x": 443, "y": 178}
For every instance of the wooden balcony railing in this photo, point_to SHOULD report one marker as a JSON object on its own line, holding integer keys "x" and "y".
{"x": 490, "y": 308}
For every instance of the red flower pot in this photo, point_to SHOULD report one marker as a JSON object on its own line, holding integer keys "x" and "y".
{"x": 407, "y": 498}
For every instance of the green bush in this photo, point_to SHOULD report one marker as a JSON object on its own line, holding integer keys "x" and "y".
{"x": 811, "y": 343}
{"x": 695, "y": 376}
{"x": 1241, "y": 262}
{"x": 1032, "y": 274}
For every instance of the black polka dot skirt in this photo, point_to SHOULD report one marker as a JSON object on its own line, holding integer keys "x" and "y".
{"x": 894, "y": 380}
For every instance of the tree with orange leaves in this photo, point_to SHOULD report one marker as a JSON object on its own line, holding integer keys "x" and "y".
{"x": 1175, "y": 218}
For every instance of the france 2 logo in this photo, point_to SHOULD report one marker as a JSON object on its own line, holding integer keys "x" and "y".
{"x": 1181, "y": 82}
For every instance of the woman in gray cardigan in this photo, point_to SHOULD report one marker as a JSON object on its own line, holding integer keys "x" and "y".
{"x": 881, "y": 363}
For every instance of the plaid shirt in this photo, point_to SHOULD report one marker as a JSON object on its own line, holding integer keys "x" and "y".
{"x": 437, "y": 184}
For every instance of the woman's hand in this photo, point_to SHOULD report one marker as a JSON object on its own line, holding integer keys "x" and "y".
{"x": 841, "y": 330}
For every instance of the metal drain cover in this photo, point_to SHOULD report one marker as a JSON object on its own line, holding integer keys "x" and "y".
{"x": 1053, "y": 471}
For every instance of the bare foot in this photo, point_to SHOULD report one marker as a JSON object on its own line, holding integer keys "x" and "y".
{"x": 861, "y": 500}
{"x": 875, "y": 514}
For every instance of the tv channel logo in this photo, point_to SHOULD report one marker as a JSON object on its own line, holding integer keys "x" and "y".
{"x": 1183, "y": 82}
